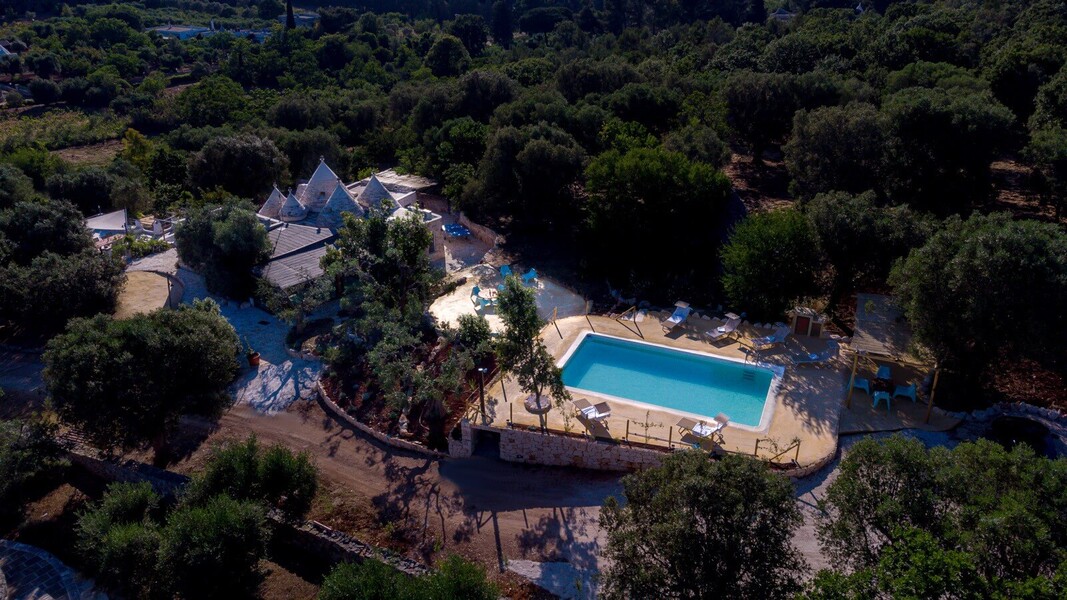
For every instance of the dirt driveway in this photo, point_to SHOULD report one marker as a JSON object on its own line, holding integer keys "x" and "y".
{"x": 483, "y": 508}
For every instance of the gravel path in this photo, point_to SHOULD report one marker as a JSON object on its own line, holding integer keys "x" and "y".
{"x": 280, "y": 379}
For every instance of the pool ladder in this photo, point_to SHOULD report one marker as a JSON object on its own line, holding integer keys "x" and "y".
{"x": 748, "y": 375}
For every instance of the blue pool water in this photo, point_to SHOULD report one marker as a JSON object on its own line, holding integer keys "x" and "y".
{"x": 676, "y": 380}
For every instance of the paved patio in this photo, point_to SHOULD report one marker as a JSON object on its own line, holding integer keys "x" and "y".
{"x": 550, "y": 296}
{"x": 808, "y": 407}
{"x": 280, "y": 379}
{"x": 34, "y": 574}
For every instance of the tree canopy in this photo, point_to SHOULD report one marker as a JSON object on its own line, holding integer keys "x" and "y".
{"x": 770, "y": 261}
{"x": 902, "y": 520}
{"x": 695, "y": 528}
{"x": 224, "y": 242}
{"x": 987, "y": 285}
{"x": 126, "y": 382}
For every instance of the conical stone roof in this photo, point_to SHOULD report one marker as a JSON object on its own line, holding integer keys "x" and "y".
{"x": 339, "y": 202}
{"x": 273, "y": 204}
{"x": 318, "y": 188}
{"x": 373, "y": 195}
{"x": 292, "y": 210}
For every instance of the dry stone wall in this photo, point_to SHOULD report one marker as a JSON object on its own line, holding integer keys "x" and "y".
{"x": 531, "y": 447}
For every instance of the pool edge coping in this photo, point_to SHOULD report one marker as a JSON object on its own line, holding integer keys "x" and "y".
{"x": 773, "y": 391}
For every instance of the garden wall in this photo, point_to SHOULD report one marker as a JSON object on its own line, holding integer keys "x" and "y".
{"x": 165, "y": 483}
{"x": 337, "y": 412}
{"x": 538, "y": 448}
{"x": 309, "y": 537}
{"x": 481, "y": 232}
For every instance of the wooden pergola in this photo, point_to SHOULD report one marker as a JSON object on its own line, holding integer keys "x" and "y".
{"x": 882, "y": 331}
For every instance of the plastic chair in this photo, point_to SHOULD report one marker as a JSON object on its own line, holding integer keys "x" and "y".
{"x": 906, "y": 391}
{"x": 884, "y": 373}
{"x": 529, "y": 276}
{"x": 859, "y": 383}
{"x": 505, "y": 271}
{"x": 878, "y": 397}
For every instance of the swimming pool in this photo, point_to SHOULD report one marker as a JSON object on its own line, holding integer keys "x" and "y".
{"x": 689, "y": 382}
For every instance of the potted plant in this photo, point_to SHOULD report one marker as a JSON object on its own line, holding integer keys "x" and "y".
{"x": 253, "y": 356}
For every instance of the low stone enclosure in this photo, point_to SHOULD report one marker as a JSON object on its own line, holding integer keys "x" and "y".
{"x": 308, "y": 537}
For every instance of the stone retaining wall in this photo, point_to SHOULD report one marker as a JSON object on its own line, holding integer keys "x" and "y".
{"x": 165, "y": 483}
{"x": 308, "y": 537}
{"x": 481, "y": 232}
{"x": 336, "y": 547}
{"x": 539, "y": 448}
{"x": 463, "y": 447}
{"x": 337, "y": 412}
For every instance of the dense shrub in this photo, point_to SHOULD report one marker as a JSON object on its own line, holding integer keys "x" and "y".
{"x": 225, "y": 243}
{"x": 770, "y": 261}
{"x": 125, "y": 383}
{"x": 274, "y": 476}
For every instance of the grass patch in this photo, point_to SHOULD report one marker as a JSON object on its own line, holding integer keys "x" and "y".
{"x": 60, "y": 128}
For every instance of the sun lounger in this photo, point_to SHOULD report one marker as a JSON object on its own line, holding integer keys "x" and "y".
{"x": 816, "y": 358}
{"x": 769, "y": 341}
{"x": 593, "y": 412}
{"x": 529, "y": 276}
{"x": 702, "y": 429}
{"x": 906, "y": 391}
{"x": 725, "y": 331}
{"x": 505, "y": 271}
{"x": 680, "y": 314}
{"x": 879, "y": 397}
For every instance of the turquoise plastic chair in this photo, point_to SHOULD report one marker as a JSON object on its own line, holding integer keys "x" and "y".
{"x": 476, "y": 294}
{"x": 878, "y": 397}
{"x": 859, "y": 383}
{"x": 906, "y": 391}
{"x": 529, "y": 276}
{"x": 505, "y": 271}
{"x": 884, "y": 373}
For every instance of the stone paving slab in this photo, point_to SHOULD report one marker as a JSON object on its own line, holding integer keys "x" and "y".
{"x": 34, "y": 574}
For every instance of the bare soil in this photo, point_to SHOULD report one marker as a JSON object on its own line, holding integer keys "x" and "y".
{"x": 93, "y": 154}
{"x": 761, "y": 186}
{"x": 481, "y": 508}
{"x": 1013, "y": 192}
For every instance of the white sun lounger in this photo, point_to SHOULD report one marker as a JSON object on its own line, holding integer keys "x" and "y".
{"x": 702, "y": 429}
{"x": 593, "y": 412}
{"x": 769, "y": 341}
{"x": 681, "y": 313}
{"x": 816, "y": 358}
{"x": 724, "y": 331}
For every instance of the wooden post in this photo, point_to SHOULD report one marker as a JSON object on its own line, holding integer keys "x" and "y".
{"x": 756, "y": 451}
{"x": 670, "y": 436}
{"x": 554, "y": 313}
{"x": 627, "y": 430}
{"x": 511, "y": 412}
{"x": 852, "y": 379}
{"x": 933, "y": 389}
{"x": 503, "y": 390}
{"x": 796, "y": 458}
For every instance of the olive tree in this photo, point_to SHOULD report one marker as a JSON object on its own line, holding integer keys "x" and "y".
{"x": 987, "y": 285}
{"x": 126, "y": 382}
{"x": 521, "y": 350}
{"x": 771, "y": 260}
{"x": 700, "y": 528}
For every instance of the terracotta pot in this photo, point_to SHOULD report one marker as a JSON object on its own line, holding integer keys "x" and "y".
{"x": 253, "y": 359}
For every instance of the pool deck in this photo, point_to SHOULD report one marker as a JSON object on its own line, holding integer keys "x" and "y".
{"x": 549, "y": 295}
{"x": 809, "y": 407}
